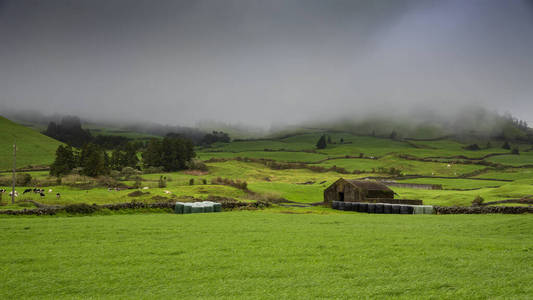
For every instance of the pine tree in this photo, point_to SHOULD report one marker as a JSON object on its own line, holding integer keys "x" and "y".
{"x": 93, "y": 160}
{"x": 64, "y": 161}
{"x": 172, "y": 153}
{"x": 321, "y": 144}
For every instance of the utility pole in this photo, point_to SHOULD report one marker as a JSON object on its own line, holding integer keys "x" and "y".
{"x": 14, "y": 171}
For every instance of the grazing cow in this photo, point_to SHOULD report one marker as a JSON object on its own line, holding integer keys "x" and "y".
{"x": 2, "y": 190}
{"x": 58, "y": 195}
{"x": 16, "y": 193}
{"x": 50, "y": 190}
{"x": 145, "y": 188}
{"x": 26, "y": 191}
{"x": 42, "y": 194}
{"x": 167, "y": 192}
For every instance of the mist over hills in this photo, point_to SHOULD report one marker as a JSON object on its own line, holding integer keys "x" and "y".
{"x": 464, "y": 124}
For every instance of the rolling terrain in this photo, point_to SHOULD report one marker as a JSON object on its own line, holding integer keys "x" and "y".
{"x": 292, "y": 168}
{"x": 34, "y": 148}
{"x": 292, "y": 250}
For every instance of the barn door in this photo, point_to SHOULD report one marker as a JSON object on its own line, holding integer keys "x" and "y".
{"x": 341, "y": 196}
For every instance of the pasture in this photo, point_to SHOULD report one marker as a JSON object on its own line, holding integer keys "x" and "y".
{"x": 287, "y": 253}
{"x": 34, "y": 149}
{"x": 292, "y": 168}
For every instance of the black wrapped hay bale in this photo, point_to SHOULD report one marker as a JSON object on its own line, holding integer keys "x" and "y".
{"x": 356, "y": 206}
{"x": 387, "y": 208}
{"x": 335, "y": 204}
{"x": 348, "y": 206}
{"x": 342, "y": 205}
{"x": 379, "y": 208}
{"x": 395, "y": 208}
{"x": 363, "y": 207}
{"x": 178, "y": 208}
{"x": 371, "y": 208}
{"x": 406, "y": 209}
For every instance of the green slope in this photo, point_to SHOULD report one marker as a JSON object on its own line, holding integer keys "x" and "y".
{"x": 34, "y": 148}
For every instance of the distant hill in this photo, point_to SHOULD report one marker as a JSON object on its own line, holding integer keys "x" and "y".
{"x": 34, "y": 148}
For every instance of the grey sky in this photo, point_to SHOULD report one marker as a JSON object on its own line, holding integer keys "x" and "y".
{"x": 262, "y": 62}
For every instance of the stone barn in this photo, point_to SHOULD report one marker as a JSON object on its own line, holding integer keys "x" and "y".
{"x": 357, "y": 191}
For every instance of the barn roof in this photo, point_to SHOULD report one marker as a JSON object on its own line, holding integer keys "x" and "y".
{"x": 369, "y": 185}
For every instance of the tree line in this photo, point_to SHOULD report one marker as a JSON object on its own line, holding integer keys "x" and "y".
{"x": 70, "y": 131}
{"x": 170, "y": 153}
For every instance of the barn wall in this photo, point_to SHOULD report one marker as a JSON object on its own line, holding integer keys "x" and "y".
{"x": 330, "y": 195}
{"x": 351, "y": 193}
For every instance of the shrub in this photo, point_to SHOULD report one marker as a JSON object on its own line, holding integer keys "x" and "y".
{"x": 106, "y": 181}
{"x": 162, "y": 182}
{"x": 242, "y": 185}
{"x": 515, "y": 151}
{"x": 204, "y": 181}
{"x": 127, "y": 172}
{"x": 114, "y": 174}
{"x": 478, "y": 201}
{"x": 23, "y": 179}
{"x": 191, "y": 181}
{"x": 197, "y": 165}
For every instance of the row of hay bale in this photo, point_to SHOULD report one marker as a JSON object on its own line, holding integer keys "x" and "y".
{"x": 197, "y": 207}
{"x": 383, "y": 208}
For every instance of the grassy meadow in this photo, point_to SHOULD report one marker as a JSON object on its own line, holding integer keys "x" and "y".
{"x": 282, "y": 252}
{"x": 34, "y": 148}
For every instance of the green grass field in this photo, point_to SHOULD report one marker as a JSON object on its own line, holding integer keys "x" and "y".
{"x": 281, "y": 253}
{"x": 34, "y": 148}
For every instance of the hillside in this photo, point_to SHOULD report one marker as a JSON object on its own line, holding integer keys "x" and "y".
{"x": 34, "y": 148}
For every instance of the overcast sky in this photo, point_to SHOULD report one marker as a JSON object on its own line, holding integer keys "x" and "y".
{"x": 263, "y": 62}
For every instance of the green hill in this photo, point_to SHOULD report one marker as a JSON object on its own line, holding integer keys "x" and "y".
{"x": 34, "y": 148}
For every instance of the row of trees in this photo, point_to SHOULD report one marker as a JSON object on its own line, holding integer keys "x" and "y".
{"x": 92, "y": 160}
{"x": 170, "y": 153}
{"x": 70, "y": 131}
